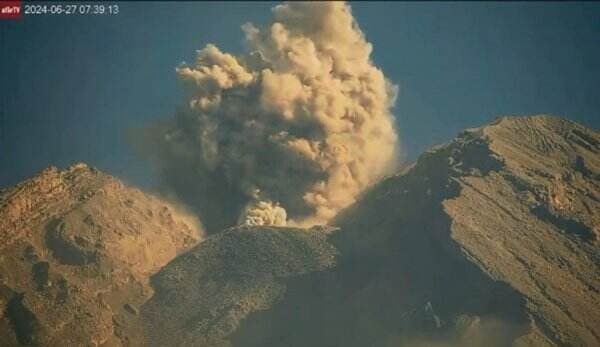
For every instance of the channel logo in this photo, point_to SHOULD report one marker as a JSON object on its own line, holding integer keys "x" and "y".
{"x": 10, "y": 9}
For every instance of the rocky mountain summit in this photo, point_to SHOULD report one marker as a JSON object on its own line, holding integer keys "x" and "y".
{"x": 490, "y": 240}
{"x": 77, "y": 248}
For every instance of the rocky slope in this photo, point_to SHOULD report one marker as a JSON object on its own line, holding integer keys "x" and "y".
{"x": 202, "y": 296}
{"x": 76, "y": 250}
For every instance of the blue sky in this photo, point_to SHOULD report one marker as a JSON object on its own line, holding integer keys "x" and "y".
{"x": 71, "y": 86}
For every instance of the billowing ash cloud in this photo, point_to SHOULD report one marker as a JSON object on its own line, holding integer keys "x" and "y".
{"x": 296, "y": 128}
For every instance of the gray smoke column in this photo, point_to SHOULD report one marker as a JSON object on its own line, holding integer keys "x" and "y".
{"x": 296, "y": 128}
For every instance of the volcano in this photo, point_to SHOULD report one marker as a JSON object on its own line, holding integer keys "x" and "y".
{"x": 489, "y": 240}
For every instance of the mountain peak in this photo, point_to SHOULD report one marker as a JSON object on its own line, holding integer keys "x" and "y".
{"x": 517, "y": 198}
{"x": 77, "y": 248}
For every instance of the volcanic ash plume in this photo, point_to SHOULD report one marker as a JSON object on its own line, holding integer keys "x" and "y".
{"x": 301, "y": 123}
